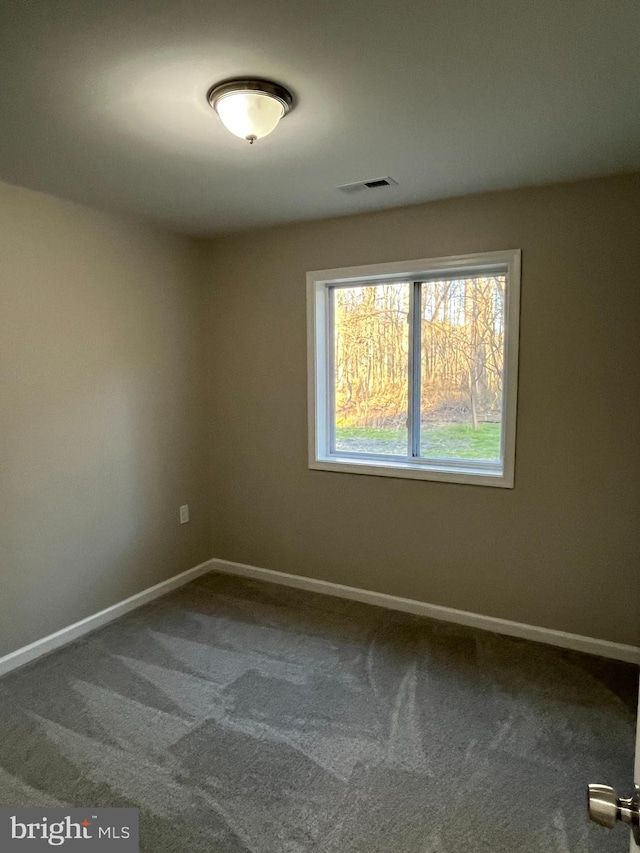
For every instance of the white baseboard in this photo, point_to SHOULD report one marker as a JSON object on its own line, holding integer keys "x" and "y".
{"x": 66, "y": 635}
{"x": 590, "y": 645}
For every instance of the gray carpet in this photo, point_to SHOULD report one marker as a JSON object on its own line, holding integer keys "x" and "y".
{"x": 241, "y": 716}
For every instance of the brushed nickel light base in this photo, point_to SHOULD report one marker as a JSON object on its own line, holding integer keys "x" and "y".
{"x": 261, "y": 87}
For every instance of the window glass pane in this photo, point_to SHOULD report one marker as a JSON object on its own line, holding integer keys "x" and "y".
{"x": 371, "y": 345}
{"x": 462, "y": 368}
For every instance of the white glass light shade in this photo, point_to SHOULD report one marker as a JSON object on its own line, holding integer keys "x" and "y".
{"x": 249, "y": 115}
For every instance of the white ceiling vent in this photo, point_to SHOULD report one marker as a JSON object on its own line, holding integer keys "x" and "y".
{"x": 371, "y": 184}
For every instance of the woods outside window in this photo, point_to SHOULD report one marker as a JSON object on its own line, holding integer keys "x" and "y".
{"x": 413, "y": 368}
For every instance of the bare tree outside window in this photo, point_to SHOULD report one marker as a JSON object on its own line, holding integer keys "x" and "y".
{"x": 461, "y": 367}
{"x": 371, "y": 368}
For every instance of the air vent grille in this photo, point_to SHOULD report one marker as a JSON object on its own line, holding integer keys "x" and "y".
{"x": 371, "y": 184}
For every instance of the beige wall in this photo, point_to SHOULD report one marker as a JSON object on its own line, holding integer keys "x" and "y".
{"x": 104, "y": 426}
{"x": 101, "y": 412}
{"x": 560, "y": 550}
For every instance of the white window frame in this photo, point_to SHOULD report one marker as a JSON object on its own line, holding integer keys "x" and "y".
{"x": 320, "y": 381}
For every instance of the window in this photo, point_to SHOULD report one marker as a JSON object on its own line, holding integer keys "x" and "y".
{"x": 413, "y": 368}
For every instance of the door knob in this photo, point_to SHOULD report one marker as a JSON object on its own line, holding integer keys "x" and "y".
{"x": 606, "y": 808}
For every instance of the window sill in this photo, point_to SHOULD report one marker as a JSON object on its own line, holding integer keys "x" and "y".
{"x": 471, "y": 475}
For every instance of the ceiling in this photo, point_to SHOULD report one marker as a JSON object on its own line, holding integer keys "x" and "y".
{"x": 104, "y": 101}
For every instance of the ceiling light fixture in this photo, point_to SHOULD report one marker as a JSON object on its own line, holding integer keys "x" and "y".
{"x": 250, "y": 109}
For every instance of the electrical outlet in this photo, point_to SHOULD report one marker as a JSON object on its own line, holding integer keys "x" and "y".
{"x": 184, "y": 514}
